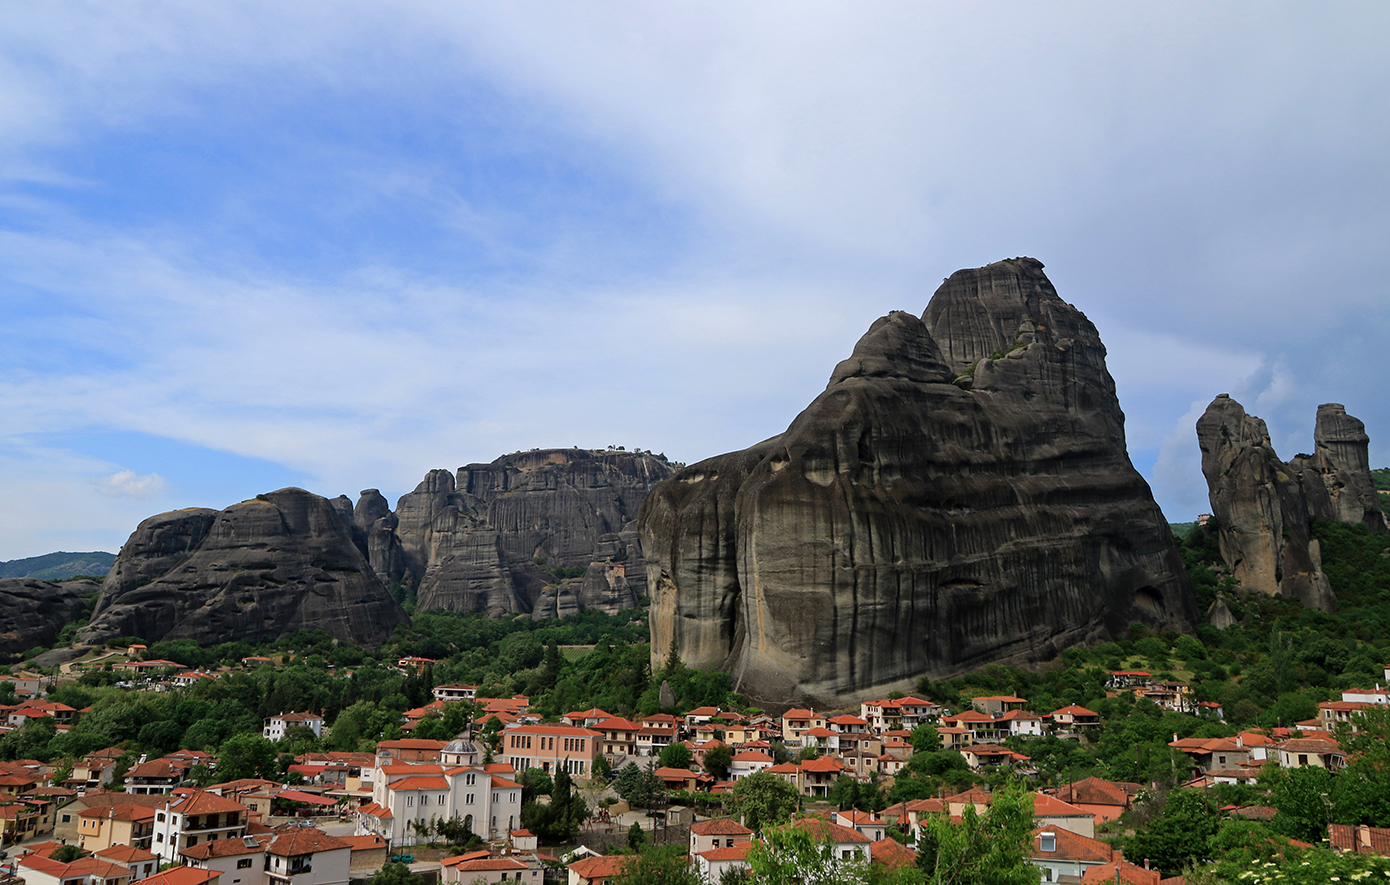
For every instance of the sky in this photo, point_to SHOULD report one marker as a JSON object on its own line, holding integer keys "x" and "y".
{"x": 245, "y": 245}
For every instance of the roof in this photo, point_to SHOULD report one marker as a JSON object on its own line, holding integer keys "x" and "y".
{"x": 85, "y": 866}
{"x": 201, "y": 802}
{"x": 304, "y": 840}
{"x": 891, "y": 853}
{"x": 599, "y": 866}
{"x": 799, "y": 713}
{"x": 824, "y": 829}
{"x": 490, "y": 864}
{"x": 1049, "y": 806}
{"x": 364, "y": 843}
{"x": 752, "y": 756}
{"x": 1074, "y": 710}
{"x": 1360, "y": 840}
{"x": 411, "y": 744}
{"x": 1122, "y": 871}
{"x": 224, "y": 848}
{"x": 822, "y": 764}
{"x": 720, "y": 827}
{"x": 126, "y": 854}
{"x": 1070, "y": 846}
{"x": 180, "y": 876}
{"x": 310, "y": 798}
{"x": 419, "y": 783}
{"x": 1310, "y": 745}
{"x": 736, "y": 852}
{"x": 572, "y": 730}
{"x": 127, "y": 811}
{"x": 1093, "y": 791}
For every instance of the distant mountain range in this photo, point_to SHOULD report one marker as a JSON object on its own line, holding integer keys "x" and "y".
{"x": 59, "y": 566}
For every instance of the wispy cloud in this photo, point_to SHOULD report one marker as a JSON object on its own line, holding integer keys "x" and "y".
{"x": 129, "y": 484}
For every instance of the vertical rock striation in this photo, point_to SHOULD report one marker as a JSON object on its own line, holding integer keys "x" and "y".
{"x": 1264, "y": 507}
{"x": 959, "y": 493}
{"x": 489, "y": 538}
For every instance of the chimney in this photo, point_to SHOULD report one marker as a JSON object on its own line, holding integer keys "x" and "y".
{"x": 1363, "y": 835}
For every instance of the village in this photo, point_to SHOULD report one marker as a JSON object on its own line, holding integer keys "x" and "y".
{"x": 339, "y": 817}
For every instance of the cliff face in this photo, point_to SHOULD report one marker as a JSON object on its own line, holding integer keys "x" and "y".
{"x": 281, "y": 562}
{"x": 1264, "y": 506}
{"x": 486, "y": 539}
{"x": 32, "y": 612}
{"x": 959, "y": 494}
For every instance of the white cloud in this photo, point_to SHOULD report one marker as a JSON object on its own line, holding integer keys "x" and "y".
{"x": 129, "y": 484}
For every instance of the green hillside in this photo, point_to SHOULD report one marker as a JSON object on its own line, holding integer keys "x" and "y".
{"x": 58, "y": 566}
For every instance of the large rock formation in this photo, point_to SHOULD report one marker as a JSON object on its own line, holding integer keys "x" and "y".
{"x": 32, "y": 612}
{"x": 1264, "y": 507}
{"x": 280, "y": 562}
{"x": 960, "y": 493}
{"x": 490, "y": 537}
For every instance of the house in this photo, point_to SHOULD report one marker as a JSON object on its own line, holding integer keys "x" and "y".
{"x": 818, "y": 775}
{"x": 863, "y": 822}
{"x": 415, "y": 665}
{"x": 35, "y": 869}
{"x": 409, "y": 750}
{"x": 468, "y": 870}
{"x": 718, "y": 833}
{"x": 847, "y": 844}
{"x": 551, "y": 748}
{"x": 1212, "y": 754}
{"x": 237, "y": 861}
{"x": 186, "y": 819}
{"x": 455, "y": 692}
{"x": 585, "y": 718}
{"x": 1057, "y": 853}
{"x": 276, "y": 726}
{"x": 619, "y": 736}
{"x": 656, "y": 733}
{"x": 68, "y": 824}
{"x": 1021, "y": 723}
{"x": 749, "y": 762}
{"x": 1301, "y": 752}
{"x": 155, "y": 777}
{"x": 106, "y": 825}
{"x": 306, "y": 856}
{"x": 1120, "y": 870}
{"x": 682, "y": 778}
{"x": 1053, "y": 813}
{"x": 713, "y": 864}
{"x": 140, "y": 862}
{"x": 1074, "y": 720}
{"x": 490, "y": 803}
{"x": 797, "y": 721}
{"x": 997, "y": 705}
{"x": 979, "y": 756}
{"x": 20, "y": 819}
{"x": 910, "y": 814}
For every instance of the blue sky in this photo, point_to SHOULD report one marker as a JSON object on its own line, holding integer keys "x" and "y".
{"x": 336, "y": 245}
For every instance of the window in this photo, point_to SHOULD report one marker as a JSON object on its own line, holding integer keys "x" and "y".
{"x": 441, "y": 798}
{"x": 1302, "y": 758}
{"x": 159, "y": 817}
{"x": 410, "y": 801}
{"x": 244, "y": 864}
{"x": 67, "y": 818}
{"x": 1047, "y": 842}
{"x": 192, "y": 840}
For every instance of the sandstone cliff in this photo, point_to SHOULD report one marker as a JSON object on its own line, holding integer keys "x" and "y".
{"x": 1264, "y": 506}
{"x": 488, "y": 538}
{"x": 959, "y": 494}
{"x": 32, "y": 612}
{"x": 280, "y": 562}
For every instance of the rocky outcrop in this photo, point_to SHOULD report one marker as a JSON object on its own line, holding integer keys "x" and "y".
{"x": 1264, "y": 506}
{"x": 281, "y": 562}
{"x": 1341, "y": 456}
{"x": 491, "y": 537}
{"x": 32, "y": 612}
{"x": 960, "y": 493}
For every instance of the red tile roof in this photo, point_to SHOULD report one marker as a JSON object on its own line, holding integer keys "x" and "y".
{"x": 720, "y": 827}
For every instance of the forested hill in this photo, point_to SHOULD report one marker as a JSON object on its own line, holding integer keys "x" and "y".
{"x": 59, "y": 566}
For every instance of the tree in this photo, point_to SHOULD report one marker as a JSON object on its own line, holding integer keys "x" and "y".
{"x": 246, "y": 756}
{"x": 983, "y": 849}
{"x": 1179, "y": 836}
{"x": 560, "y": 819}
{"x": 640, "y": 787}
{"x": 657, "y": 865}
{"x": 790, "y": 855}
{"x": 925, "y": 739}
{"x": 762, "y": 800}
{"x": 718, "y": 760}
{"x": 676, "y": 755}
{"x": 67, "y": 854}
{"x": 601, "y": 768}
{"x": 1302, "y": 796}
{"x": 635, "y": 836}
{"x": 393, "y": 873}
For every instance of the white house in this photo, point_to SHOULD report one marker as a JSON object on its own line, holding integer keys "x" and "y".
{"x": 189, "y": 819}
{"x": 406, "y": 797}
{"x": 276, "y": 726}
{"x": 749, "y": 762}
